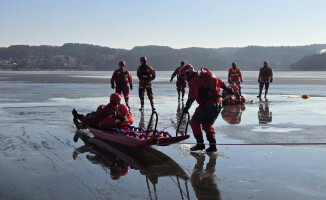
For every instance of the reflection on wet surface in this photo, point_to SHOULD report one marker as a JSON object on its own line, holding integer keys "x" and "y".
{"x": 264, "y": 114}
{"x": 179, "y": 116}
{"x": 151, "y": 163}
{"x": 233, "y": 114}
{"x": 203, "y": 180}
{"x": 38, "y": 158}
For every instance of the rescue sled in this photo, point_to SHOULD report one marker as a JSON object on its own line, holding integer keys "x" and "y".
{"x": 137, "y": 137}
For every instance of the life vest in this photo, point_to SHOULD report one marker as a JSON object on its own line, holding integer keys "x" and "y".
{"x": 122, "y": 76}
{"x": 234, "y": 74}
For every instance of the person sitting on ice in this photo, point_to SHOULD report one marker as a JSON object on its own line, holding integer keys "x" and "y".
{"x": 232, "y": 99}
{"x": 92, "y": 119}
{"x": 122, "y": 118}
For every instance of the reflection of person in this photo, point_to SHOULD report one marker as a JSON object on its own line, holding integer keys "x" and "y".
{"x": 106, "y": 159}
{"x": 265, "y": 77}
{"x": 203, "y": 181}
{"x": 205, "y": 89}
{"x": 181, "y": 83}
{"x": 93, "y": 118}
{"x": 121, "y": 77}
{"x": 182, "y": 127}
{"x": 120, "y": 119}
{"x": 145, "y": 74}
{"x": 142, "y": 120}
{"x": 235, "y": 76}
{"x": 232, "y": 114}
{"x": 264, "y": 115}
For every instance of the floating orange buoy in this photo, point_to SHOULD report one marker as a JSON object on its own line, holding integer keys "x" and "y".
{"x": 305, "y": 96}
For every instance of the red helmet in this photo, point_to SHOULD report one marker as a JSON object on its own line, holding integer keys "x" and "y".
{"x": 234, "y": 64}
{"x": 122, "y": 110}
{"x": 143, "y": 58}
{"x": 122, "y": 63}
{"x": 115, "y": 98}
{"x": 186, "y": 70}
{"x": 265, "y": 62}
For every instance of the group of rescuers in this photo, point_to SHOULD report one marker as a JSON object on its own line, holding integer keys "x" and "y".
{"x": 204, "y": 88}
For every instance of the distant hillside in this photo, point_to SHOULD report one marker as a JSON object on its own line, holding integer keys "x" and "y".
{"x": 91, "y": 57}
{"x": 312, "y": 62}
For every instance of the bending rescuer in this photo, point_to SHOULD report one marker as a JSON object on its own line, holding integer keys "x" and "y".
{"x": 204, "y": 87}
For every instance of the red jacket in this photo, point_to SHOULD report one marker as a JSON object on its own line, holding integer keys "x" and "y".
{"x": 101, "y": 112}
{"x": 198, "y": 90}
{"x": 112, "y": 121}
{"x": 146, "y": 74}
{"x": 265, "y": 74}
{"x": 121, "y": 77}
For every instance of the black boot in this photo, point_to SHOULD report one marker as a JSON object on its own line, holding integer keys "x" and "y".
{"x": 76, "y": 115}
{"x": 200, "y": 143}
{"x": 152, "y": 104}
{"x": 212, "y": 143}
{"x": 127, "y": 103}
{"x": 142, "y": 105}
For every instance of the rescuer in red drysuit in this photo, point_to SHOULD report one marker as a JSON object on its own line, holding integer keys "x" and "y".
{"x": 265, "y": 77}
{"x": 121, "y": 77}
{"x": 145, "y": 74}
{"x": 92, "y": 119}
{"x": 181, "y": 83}
{"x": 204, "y": 87}
{"x": 122, "y": 118}
{"x": 235, "y": 76}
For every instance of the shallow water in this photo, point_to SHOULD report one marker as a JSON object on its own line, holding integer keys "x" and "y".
{"x": 39, "y": 158}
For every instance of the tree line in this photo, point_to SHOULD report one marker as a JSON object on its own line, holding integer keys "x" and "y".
{"x": 74, "y": 56}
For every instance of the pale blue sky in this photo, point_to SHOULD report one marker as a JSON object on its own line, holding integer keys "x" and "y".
{"x": 174, "y": 23}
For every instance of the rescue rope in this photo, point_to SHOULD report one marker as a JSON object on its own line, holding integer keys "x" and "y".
{"x": 261, "y": 144}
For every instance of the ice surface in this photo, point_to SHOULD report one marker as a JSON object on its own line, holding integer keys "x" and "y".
{"x": 39, "y": 158}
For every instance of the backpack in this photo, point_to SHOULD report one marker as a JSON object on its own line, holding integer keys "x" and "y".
{"x": 212, "y": 90}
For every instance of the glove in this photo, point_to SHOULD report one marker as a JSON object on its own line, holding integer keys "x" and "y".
{"x": 112, "y": 85}
{"x": 171, "y": 80}
{"x": 271, "y": 80}
{"x": 258, "y": 81}
{"x": 241, "y": 80}
{"x": 131, "y": 87}
{"x": 188, "y": 105}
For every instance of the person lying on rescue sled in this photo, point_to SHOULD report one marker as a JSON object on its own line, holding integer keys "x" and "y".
{"x": 121, "y": 77}
{"x": 92, "y": 119}
{"x": 230, "y": 99}
{"x": 204, "y": 87}
{"x": 122, "y": 118}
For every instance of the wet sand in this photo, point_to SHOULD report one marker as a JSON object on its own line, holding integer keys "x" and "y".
{"x": 42, "y": 156}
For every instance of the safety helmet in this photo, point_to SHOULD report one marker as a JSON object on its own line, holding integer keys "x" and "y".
{"x": 182, "y": 63}
{"x": 186, "y": 70}
{"x": 265, "y": 62}
{"x": 122, "y": 63}
{"x": 234, "y": 64}
{"x": 122, "y": 110}
{"x": 115, "y": 98}
{"x": 143, "y": 58}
